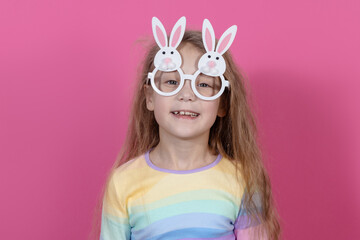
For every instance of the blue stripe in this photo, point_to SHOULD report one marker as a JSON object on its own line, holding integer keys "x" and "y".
{"x": 206, "y": 221}
{"x": 218, "y": 207}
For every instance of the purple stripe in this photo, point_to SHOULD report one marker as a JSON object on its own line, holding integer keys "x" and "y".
{"x": 150, "y": 164}
{"x": 244, "y": 221}
{"x": 227, "y": 237}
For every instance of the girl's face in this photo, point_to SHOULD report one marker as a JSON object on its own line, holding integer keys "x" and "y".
{"x": 184, "y": 127}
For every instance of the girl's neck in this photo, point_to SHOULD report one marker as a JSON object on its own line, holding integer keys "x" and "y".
{"x": 182, "y": 154}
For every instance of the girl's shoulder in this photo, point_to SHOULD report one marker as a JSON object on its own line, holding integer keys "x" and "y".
{"x": 231, "y": 167}
{"x": 123, "y": 178}
{"x": 129, "y": 167}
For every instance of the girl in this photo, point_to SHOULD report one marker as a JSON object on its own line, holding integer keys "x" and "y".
{"x": 190, "y": 167}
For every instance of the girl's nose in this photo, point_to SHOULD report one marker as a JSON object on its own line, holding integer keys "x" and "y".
{"x": 186, "y": 93}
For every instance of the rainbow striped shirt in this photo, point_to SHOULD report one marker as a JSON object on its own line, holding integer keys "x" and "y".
{"x": 143, "y": 201}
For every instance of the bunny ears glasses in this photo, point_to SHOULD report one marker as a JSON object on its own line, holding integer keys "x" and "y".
{"x": 208, "y": 82}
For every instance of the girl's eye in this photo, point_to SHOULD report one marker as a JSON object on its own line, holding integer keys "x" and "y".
{"x": 172, "y": 82}
{"x": 204, "y": 85}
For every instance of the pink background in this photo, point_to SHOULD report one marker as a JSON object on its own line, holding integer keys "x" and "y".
{"x": 66, "y": 76}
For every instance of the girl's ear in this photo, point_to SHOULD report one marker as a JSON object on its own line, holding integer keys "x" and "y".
{"x": 149, "y": 97}
{"x": 222, "y": 109}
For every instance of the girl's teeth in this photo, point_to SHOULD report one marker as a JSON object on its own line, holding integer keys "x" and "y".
{"x": 186, "y": 113}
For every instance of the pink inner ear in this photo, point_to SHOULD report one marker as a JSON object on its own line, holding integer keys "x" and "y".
{"x": 176, "y": 36}
{"x": 224, "y": 43}
{"x": 160, "y": 36}
{"x": 208, "y": 39}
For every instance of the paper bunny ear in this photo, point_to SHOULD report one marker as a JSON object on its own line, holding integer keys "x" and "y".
{"x": 159, "y": 33}
{"x": 226, "y": 40}
{"x": 208, "y": 36}
{"x": 177, "y": 32}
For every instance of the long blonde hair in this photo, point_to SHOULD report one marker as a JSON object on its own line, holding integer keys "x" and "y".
{"x": 233, "y": 136}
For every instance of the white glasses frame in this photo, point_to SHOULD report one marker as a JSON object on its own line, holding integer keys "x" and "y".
{"x": 183, "y": 77}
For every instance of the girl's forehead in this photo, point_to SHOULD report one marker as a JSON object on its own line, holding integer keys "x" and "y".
{"x": 190, "y": 55}
{"x": 187, "y": 47}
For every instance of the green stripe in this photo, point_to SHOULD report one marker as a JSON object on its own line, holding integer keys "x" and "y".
{"x": 220, "y": 207}
{"x": 114, "y": 228}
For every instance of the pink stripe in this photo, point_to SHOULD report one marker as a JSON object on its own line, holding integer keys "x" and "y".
{"x": 160, "y": 36}
{"x": 224, "y": 43}
{"x": 249, "y": 233}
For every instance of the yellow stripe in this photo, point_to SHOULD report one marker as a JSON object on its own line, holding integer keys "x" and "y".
{"x": 139, "y": 184}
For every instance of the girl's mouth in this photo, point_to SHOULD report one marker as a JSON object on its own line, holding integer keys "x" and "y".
{"x": 185, "y": 114}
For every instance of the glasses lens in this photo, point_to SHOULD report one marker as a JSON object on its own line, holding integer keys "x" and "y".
{"x": 207, "y": 86}
{"x": 167, "y": 81}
